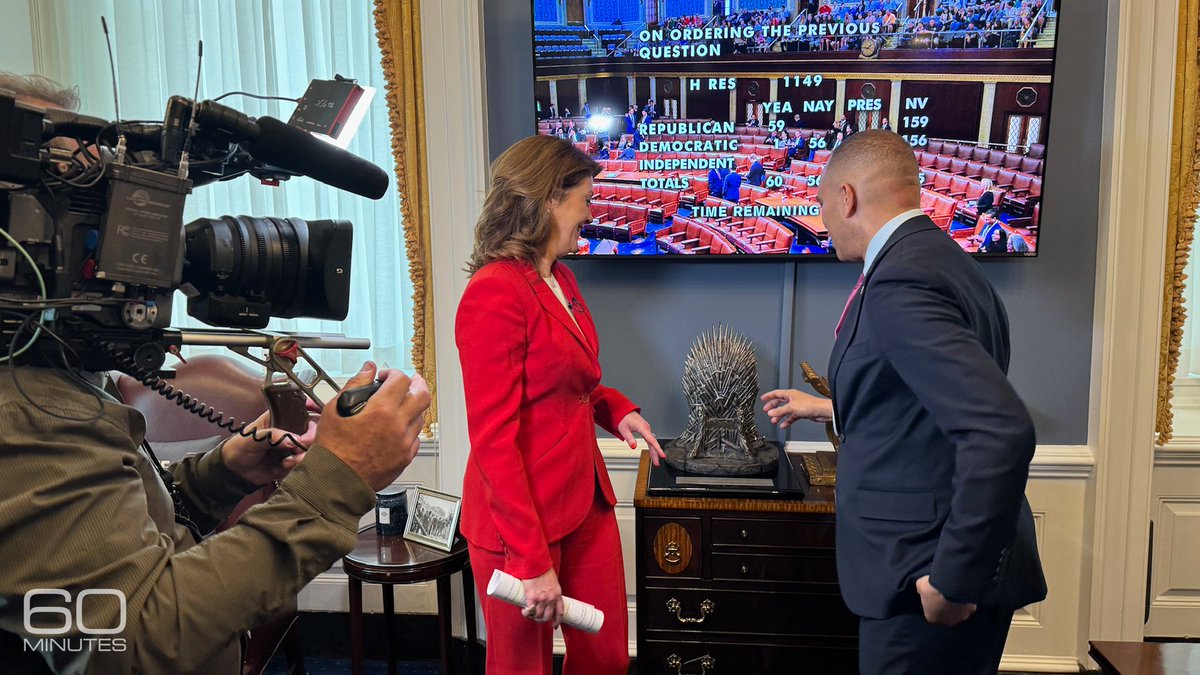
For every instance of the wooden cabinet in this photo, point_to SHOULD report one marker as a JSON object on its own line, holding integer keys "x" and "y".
{"x": 741, "y": 586}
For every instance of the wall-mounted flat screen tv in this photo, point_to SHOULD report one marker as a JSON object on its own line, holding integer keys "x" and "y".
{"x": 713, "y": 119}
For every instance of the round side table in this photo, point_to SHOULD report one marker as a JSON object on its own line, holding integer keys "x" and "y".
{"x": 392, "y": 560}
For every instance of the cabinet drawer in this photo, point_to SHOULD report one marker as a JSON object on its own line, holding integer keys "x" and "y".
{"x": 814, "y": 533}
{"x": 816, "y": 568}
{"x": 684, "y": 657}
{"x": 671, "y": 547}
{"x": 746, "y": 612}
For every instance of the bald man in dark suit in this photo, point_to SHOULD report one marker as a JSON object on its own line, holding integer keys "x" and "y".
{"x": 935, "y": 539}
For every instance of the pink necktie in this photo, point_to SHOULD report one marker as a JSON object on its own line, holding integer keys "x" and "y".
{"x": 846, "y": 309}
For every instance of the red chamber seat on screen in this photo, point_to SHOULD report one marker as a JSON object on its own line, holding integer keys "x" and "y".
{"x": 958, "y": 187}
{"x": 939, "y": 208}
{"x": 690, "y": 237}
{"x": 941, "y": 181}
{"x": 1025, "y": 195}
{"x": 759, "y": 235}
{"x": 1031, "y": 165}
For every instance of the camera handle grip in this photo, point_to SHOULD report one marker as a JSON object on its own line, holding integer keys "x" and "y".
{"x": 288, "y": 405}
{"x": 352, "y": 401}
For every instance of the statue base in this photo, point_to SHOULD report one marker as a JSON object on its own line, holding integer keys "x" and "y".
{"x": 783, "y": 481}
{"x": 764, "y": 461}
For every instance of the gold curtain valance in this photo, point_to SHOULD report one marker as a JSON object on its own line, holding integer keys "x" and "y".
{"x": 398, "y": 26}
{"x": 1181, "y": 208}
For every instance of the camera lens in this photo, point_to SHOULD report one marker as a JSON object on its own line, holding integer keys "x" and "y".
{"x": 245, "y": 270}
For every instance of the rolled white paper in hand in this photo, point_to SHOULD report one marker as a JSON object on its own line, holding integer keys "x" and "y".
{"x": 576, "y": 614}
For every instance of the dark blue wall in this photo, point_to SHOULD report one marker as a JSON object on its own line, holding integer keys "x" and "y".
{"x": 649, "y": 311}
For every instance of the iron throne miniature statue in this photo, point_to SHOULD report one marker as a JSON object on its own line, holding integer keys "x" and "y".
{"x": 720, "y": 380}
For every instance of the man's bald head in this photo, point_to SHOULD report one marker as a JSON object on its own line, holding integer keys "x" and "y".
{"x": 880, "y": 164}
{"x": 871, "y": 177}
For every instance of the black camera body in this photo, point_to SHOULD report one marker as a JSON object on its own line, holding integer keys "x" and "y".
{"x": 93, "y": 244}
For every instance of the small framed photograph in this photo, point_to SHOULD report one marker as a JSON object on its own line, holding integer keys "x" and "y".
{"x": 432, "y": 518}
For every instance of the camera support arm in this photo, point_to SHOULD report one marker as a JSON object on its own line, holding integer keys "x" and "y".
{"x": 286, "y": 398}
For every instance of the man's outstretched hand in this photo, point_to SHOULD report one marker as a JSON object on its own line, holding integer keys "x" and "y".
{"x": 381, "y": 440}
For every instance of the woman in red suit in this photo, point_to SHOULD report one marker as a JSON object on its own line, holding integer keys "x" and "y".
{"x": 537, "y": 502}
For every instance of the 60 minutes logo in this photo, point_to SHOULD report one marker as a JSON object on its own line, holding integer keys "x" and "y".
{"x": 70, "y": 613}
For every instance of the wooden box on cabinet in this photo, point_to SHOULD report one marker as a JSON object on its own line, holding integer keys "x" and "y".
{"x": 741, "y": 586}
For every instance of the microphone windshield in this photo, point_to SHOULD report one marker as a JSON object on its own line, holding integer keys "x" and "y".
{"x": 287, "y": 147}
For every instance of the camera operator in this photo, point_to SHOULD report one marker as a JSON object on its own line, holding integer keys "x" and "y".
{"x": 83, "y": 508}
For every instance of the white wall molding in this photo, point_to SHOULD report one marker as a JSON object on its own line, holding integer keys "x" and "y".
{"x": 1179, "y": 452}
{"x": 1139, "y": 94}
{"x": 456, "y": 150}
{"x": 1039, "y": 664}
{"x": 1049, "y": 461}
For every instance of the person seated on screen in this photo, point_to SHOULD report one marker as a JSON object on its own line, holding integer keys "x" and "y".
{"x": 793, "y": 146}
{"x": 1017, "y": 243}
{"x": 995, "y": 242}
{"x": 732, "y": 188}
{"x": 886, "y": 125}
{"x": 987, "y": 200}
{"x": 837, "y": 140}
{"x": 757, "y": 174}
{"x": 752, "y": 121}
{"x": 628, "y": 152}
{"x": 796, "y": 121}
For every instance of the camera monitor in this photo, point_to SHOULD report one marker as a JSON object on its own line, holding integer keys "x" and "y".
{"x": 713, "y": 120}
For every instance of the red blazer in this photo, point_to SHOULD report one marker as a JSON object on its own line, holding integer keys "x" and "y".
{"x": 533, "y": 391}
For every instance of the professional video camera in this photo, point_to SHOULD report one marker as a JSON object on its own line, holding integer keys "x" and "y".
{"x": 93, "y": 245}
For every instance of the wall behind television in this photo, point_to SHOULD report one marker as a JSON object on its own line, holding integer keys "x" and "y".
{"x": 649, "y": 311}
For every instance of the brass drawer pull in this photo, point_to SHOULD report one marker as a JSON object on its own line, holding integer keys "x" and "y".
{"x": 745, "y": 534}
{"x": 706, "y": 662}
{"x": 706, "y": 608}
{"x": 671, "y": 554}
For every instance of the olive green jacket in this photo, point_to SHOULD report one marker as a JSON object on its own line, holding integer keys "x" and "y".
{"x": 82, "y": 507}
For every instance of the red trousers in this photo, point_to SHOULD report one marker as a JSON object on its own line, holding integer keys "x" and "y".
{"x": 589, "y": 568}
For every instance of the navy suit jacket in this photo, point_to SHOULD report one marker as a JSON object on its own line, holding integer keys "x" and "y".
{"x": 935, "y": 443}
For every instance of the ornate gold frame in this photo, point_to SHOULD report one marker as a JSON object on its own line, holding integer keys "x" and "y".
{"x": 398, "y": 27}
{"x": 1181, "y": 208}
